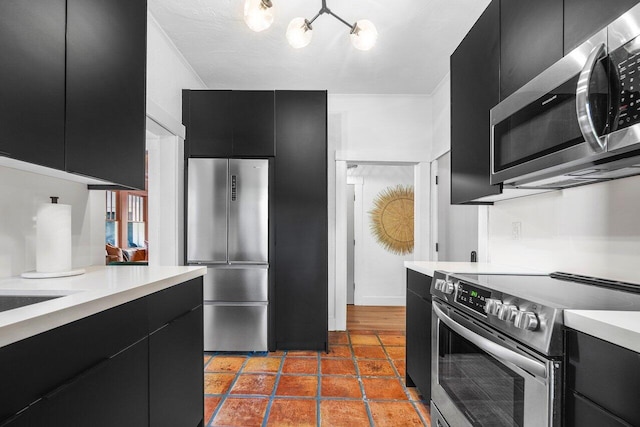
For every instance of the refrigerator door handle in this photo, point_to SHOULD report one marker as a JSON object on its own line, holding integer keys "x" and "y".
{"x": 234, "y": 188}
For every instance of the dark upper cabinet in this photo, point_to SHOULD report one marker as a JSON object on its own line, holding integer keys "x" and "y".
{"x": 475, "y": 72}
{"x": 208, "y": 117}
{"x": 583, "y": 18}
{"x": 253, "y": 123}
{"x": 106, "y": 83}
{"x": 301, "y": 221}
{"x": 32, "y": 81}
{"x": 229, "y": 123}
{"x": 531, "y": 40}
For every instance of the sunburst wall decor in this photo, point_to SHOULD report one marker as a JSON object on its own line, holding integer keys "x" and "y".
{"x": 392, "y": 219}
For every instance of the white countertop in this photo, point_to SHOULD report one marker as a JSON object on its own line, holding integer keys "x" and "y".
{"x": 618, "y": 327}
{"x": 429, "y": 267}
{"x": 99, "y": 289}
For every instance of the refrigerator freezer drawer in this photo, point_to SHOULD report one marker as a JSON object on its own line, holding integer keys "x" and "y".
{"x": 235, "y": 327}
{"x": 237, "y": 284}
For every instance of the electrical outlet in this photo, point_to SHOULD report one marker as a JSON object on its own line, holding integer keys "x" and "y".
{"x": 516, "y": 230}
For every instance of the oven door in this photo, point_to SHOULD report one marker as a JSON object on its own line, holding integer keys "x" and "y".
{"x": 482, "y": 378}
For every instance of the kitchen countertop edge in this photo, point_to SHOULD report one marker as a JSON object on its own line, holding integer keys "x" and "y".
{"x": 429, "y": 267}
{"x": 99, "y": 289}
{"x": 621, "y": 328}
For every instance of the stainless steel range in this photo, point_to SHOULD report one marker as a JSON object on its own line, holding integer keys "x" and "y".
{"x": 497, "y": 344}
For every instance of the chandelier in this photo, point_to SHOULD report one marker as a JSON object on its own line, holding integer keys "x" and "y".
{"x": 258, "y": 15}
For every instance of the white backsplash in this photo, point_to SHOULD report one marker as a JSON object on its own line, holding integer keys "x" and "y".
{"x": 20, "y": 195}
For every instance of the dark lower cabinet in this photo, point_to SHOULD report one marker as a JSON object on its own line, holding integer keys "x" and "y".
{"x": 115, "y": 392}
{"x": 109, "y": 370}
{"x": 301, "y": 221}
{"x": 531, "y": 40}
{"x": 583, "y": 18}
{"x": 418, "y": 330}
{"x": 32, "y": 86}
{"x": 602, "y": 383}
{"x": 475, "y": 73}
{"x": 176, "y": 380}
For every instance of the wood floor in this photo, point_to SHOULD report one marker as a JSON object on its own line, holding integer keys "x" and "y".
{"x": 376, "y": 318}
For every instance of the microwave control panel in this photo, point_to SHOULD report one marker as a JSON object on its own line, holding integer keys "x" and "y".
{"x": 626, "y": 59}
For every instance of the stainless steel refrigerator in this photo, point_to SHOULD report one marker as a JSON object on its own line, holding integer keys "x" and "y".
{"x": 228, "y": 230}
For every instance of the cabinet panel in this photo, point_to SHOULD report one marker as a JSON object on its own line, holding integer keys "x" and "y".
{"x": 101, "y": 336}
{"x": 419, "y": 343}
{"x": 105, "y": 105}
{"x": 475, "y": 75}
{"x": 171, "y": 303}
{"x": 614, "y": 388}
{"x": 301, "y": 306}
{"x": 175, "y": 372}
{"x": 531, "y": 40}
{"x": 112, "y": 393}
{"x": 208, "y": 116}
{"x": 583, "y": 18}
{"x": 32, "y": 81}
{"x": 580, "y": 412}
{"x": 253, "y": 123}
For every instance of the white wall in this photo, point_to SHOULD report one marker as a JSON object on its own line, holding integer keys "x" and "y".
{"x": 21, "y": 193}
{"x": 591, "y": 230}
{"x": 372, "y": 128}
{"x": 441, "y": 118}
{"x": 380, "y": 274}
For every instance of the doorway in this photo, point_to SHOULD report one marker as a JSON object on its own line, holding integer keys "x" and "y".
{"x": 457, "y": 225}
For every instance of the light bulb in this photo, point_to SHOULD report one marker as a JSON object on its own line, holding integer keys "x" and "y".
{"x": 258, "y": 14}
{"x": 364, "y": 35}
{"x": 299, "y": 33}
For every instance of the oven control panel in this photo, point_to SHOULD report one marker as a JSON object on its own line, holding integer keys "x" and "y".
{"x": 472, "y": 297}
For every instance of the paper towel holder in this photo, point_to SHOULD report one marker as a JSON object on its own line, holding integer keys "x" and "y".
{"x": 49, "y": 275}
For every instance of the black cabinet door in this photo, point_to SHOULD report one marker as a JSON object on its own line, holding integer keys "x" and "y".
{"x": 581, "y": 412}
{"x": 175, "y": 372}
{"x": 105, "y": 104}
{"x": 208, "y": 116}
{"x": 583, "y": 18}
{"x": 475, "y": 75}
{"x": 112, "y": 393}
{"x": 419, "y": 343}
{"x": 301, "y": 278}
{"x": 531, "y": 40}
{"x": 32, "y": 80}
{"x": 253, "y": 124}
{"x": 605, "y": 374}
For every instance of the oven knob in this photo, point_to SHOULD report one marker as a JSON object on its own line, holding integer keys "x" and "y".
{"x": 448, "y": 288}
{"x": 526, "y": 320}
{"x": 491, "y": 306}
{"x": 439, "y": 284}
{"x": 507, "y": 312}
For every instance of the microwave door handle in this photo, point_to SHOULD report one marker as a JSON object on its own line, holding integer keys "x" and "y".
{"x": 496, "y": 350}
{"x": 583, "y": 106}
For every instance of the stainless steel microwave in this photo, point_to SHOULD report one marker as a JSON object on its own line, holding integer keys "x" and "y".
{"x": 577, "y": 122}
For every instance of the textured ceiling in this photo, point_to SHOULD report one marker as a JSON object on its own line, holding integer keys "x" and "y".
{"x": 415, "y": 40}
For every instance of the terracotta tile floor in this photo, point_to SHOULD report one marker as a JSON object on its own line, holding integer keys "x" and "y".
{"x": 360, "y": 382}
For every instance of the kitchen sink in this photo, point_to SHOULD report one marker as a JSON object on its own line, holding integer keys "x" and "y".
{"x": 9, "y": 302}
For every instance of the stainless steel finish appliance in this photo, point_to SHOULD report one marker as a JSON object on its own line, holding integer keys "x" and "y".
{"x": 497, "y": 344}
{"x": 228, "y": 230}
{"x": 578, "y": 122}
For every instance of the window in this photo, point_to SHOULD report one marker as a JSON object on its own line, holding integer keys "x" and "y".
{"x": 111, "y": 218}
{"x": 136, "y": 236}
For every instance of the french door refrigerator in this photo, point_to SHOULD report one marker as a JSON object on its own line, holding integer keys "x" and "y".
{"x": 228, "y": 231}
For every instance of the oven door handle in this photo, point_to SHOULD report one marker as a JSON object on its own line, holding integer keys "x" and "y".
{"x": 583, "y": 105}
{"x": 496, "y": 350}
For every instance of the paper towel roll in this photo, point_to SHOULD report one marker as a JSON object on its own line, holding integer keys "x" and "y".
{"x": 53, "y": 238}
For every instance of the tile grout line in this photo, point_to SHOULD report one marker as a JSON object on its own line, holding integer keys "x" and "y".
{"x": 319, "y": 391}
{"x": 364, "y": 395}
{"x": 226, "y": 394}
{"x": 275, "y": 388}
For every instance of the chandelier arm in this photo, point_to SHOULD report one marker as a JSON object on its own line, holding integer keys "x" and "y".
{"x": 339, "y": 19}
{"x": 316, "y": 17}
